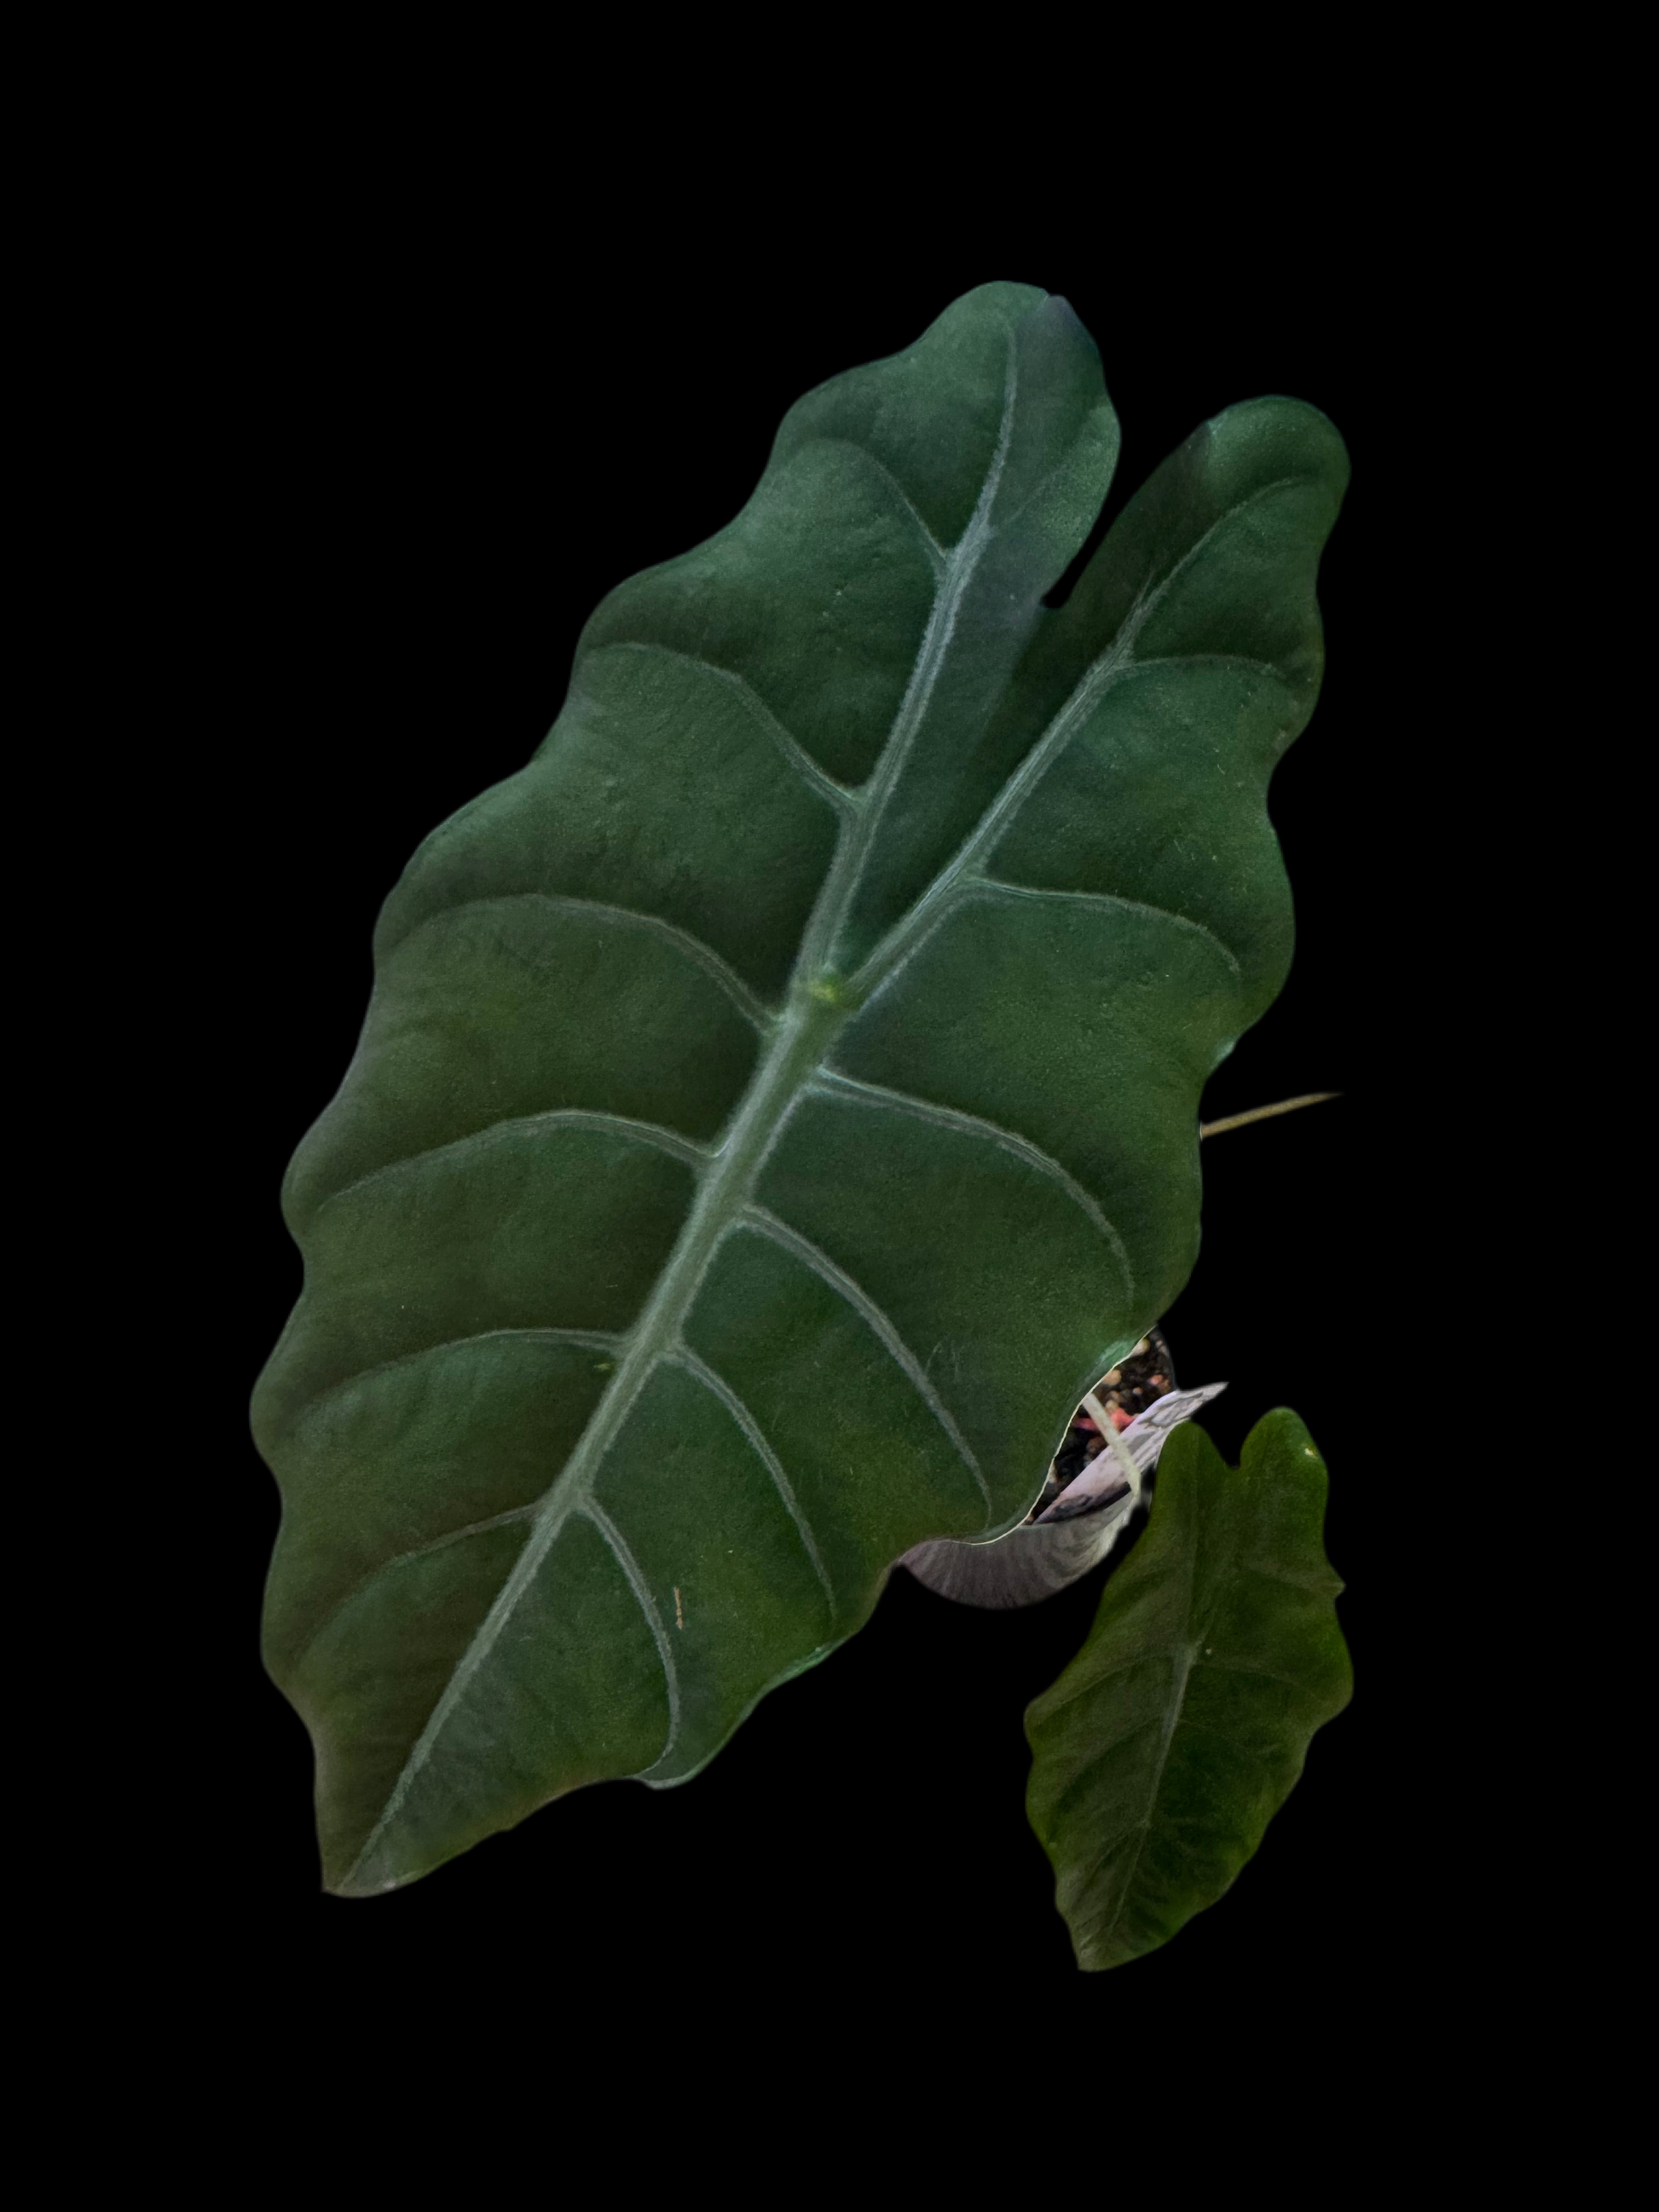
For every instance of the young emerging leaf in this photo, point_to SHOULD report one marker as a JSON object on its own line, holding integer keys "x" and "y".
{"x": 778, "y": 1101}
{"x": 1073, "y": 1534}
{"x": 1162, "y": 1752}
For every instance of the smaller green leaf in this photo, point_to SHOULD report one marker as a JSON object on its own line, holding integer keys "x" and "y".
{"x": 1180, "y": 1729}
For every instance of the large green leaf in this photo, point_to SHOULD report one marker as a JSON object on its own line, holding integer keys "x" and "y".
{"x": 1166, "y": 1747}
{"x": 778, "y": 1101}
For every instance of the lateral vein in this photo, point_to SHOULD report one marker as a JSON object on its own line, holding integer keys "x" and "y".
{"x": 647, "y": 1605}
{"x": 1109, "y": 667}
{"x": 811, "y": 771}
{"x": 830, "y": 1082}
{"x": 880, "y": 1324}
{"x": 570, "y": 1117}
{"x": 999, "y": 887}
{"x": 594, "y": 1339}
{"x": 749, "y": 1004}
{"x": 719, "y": 1388}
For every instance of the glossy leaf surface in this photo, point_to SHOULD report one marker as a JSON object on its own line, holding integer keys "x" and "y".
{"x": 1166, "y": 1747}
{"x": 779, "y": 1100}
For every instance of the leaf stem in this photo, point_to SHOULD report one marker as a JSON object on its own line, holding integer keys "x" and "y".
{"x": 1262, "y": 1113}
{"x": 1108, "y": 1427}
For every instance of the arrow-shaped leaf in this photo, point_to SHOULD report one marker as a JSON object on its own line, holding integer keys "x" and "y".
{"x": 1166, "y": 1747}
{"x": 779, "y": 1101}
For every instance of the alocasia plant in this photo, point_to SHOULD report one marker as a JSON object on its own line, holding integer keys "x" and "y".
{"x": 778, "y": 1105}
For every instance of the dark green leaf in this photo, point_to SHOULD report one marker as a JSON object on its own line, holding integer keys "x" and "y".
{"x": 1180, "y": 1729}
{"x": 779, "y": 1101}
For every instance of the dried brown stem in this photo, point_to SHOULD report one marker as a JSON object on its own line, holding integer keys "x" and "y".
{"x": 1262, "y": 1113}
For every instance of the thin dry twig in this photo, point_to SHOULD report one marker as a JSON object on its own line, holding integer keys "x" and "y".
{"x": 1262, "y": 1113}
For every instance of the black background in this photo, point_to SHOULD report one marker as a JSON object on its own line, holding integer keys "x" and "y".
{"x": 442, "y": 444}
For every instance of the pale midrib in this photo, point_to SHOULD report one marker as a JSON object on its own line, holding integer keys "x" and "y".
{"x": 1117, "y": 661}
{"x": 847, "y": 869}
{"x": 798, "y": 1042}
{"x": 1185, "y": 1658}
